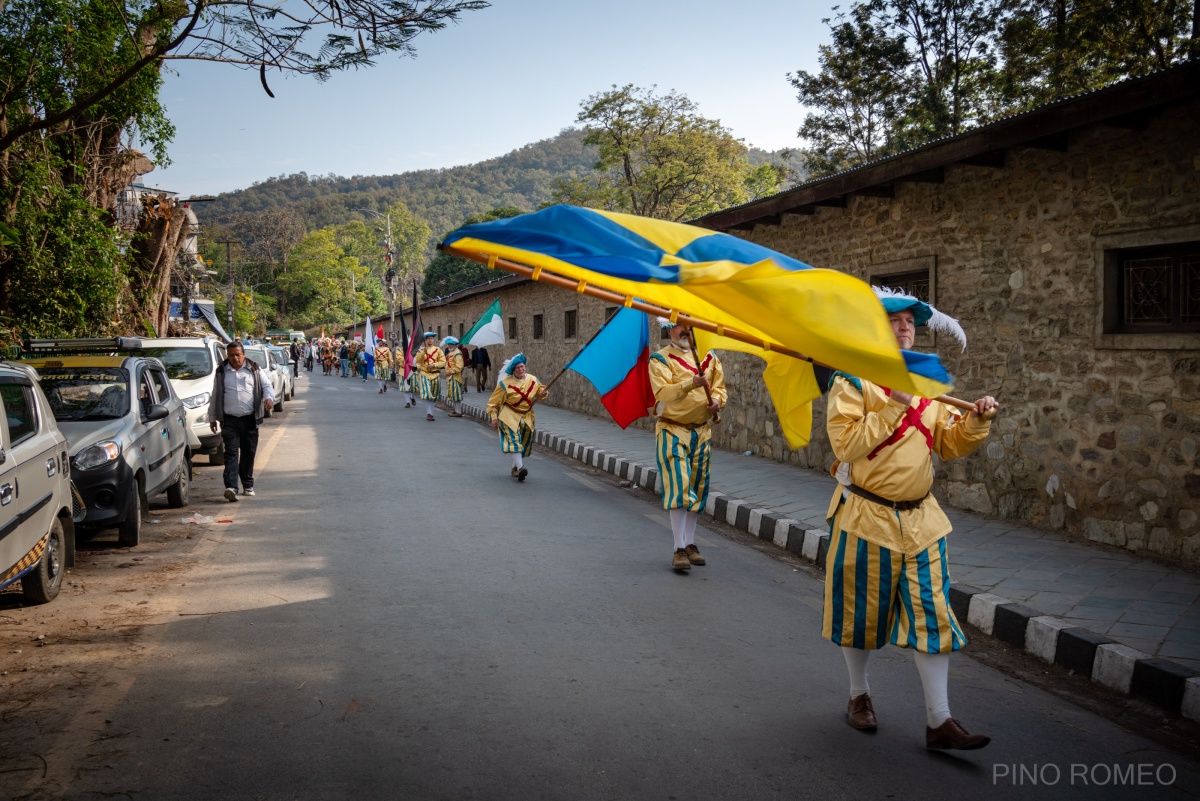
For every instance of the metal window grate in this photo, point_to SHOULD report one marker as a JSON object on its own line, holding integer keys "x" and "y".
{"x": 1148, "y": 291}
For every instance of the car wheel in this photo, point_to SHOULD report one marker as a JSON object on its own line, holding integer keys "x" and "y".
{"x": 218, "y": 456}
{"x": 42, "y": 584}
{"x": 278, "y": 404}
{"x": 179, "y": 492}
{"x": 130, "y": 530}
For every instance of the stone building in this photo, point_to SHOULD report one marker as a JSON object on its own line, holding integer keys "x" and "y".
{"x": 1067, "y": 241}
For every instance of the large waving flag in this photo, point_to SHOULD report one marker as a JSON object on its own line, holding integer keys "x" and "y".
{"x": 369, "y": 347}
{"x": 826, "y": 315}
{"x": 617, "y": 362}
{"x": 414, "y": 341}
{"x": 488, "y": 329}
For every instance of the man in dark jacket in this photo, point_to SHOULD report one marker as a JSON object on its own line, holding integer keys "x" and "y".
{"x": 241, "y": 394}
{"x": 482, "y": 363}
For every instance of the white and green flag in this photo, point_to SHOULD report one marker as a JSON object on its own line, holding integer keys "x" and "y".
{"x": 488, "y": 330}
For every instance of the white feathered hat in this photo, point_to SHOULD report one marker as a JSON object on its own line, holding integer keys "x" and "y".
{"x": 895, "y": 300}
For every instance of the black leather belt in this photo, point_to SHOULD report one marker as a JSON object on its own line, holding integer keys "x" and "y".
{"x": 899, "y": 506}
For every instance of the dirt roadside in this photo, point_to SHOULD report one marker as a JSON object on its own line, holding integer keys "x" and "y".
{"x": 60, "y": 657}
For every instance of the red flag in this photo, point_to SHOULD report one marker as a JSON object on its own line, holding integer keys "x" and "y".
{"x": 379, "y": 333}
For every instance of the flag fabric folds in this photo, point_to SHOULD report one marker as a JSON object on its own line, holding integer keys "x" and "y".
{"x": 369, "y": 347}
{"x": 617, "y": 363}
{"x": 827, "y": 315}
{"x": 414, "y": 341}
{"x": 488, "y": 329}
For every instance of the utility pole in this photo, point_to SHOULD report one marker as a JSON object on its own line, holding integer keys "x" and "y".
{"x": 229, "y": 268}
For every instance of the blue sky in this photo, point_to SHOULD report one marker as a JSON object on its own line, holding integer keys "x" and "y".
{"x": 502, "y": 78}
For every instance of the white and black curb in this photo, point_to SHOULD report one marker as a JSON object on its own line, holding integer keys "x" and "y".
{"x": 1167, "y": 684}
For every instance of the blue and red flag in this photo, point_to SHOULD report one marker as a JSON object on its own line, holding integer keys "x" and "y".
{"x": 617, "y": 362}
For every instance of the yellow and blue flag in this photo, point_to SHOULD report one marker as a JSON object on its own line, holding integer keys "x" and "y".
{"x": 830, "y": 316}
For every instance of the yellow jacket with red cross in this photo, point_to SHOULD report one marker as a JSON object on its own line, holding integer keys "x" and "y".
{"x": 512, "y": 400}
{"x": 886, "y": 448}
{"x": 430, "y": 360}
{"x": 454, "y": 364}
{"x": 679, "y": 400}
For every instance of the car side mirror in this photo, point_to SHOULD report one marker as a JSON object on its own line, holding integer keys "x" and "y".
{"x": 157, "y": 412}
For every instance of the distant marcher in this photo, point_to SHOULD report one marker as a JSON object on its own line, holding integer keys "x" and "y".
{"x": 887, "y": 576}
{"x": 683, "y": 434}
{"x": 241, "y": 394}
{"x": 295, "y": 354}
{"x": 466, "y": 356}
{"x": 344, "y": 360}
{"x": 429, "y": 363}
{"x": 510, "y": 408}
{"x": 482, "y": 363}
{"x": 383, "y": 364}
{"x": 454, "y": 371}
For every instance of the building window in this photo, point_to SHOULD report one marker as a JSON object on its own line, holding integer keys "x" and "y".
{"x": 609, "y": 311}
{"x": 539, "y": 332}
{"x": 460, "y": 330}
{"x": 512, "y": 328}
{"x": 1155, "y": 290}
{"x": 439, "y": 333}
{"x": 915, "y": 283}
{"x": 569, "y": 323}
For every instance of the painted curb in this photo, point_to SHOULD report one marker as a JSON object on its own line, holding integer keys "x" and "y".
{"x": 1167, "y": 684}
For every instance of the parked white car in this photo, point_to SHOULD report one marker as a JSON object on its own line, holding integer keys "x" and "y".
{"x": 260, "y": 355}
{"x": 37, "y": 537}
{"x": 283, "y": 360}
{"x": 191, "y": 364}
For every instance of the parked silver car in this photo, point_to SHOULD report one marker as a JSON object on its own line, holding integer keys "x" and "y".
{"x": 124, "y": 423}
{"x": 37, "y": 536}
{"x": 260, "y": 354}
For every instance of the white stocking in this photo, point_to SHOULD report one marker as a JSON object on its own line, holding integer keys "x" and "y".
{"x": 430, "y": 406}
{"x": 689, "y": 528}
{"x": 679, "y": 527}
{"x": 518, "y": 462}
{"x": 856, "y": 665}
{"x": 935, "y": 680}
{"x": 458, "y": 407}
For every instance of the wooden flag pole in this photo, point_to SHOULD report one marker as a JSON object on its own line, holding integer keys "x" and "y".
{"x": 573, "y": 358}
{"x": 700, "y": 372}
{"x": 629, "y": 302}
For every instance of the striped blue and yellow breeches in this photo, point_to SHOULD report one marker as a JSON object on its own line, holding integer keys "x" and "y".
{"x": 427, "y": 386}
{"x": 454, "y": 389}
{"x": 519, "y": 441}
{"x": 683, "y": 467}
{"x": 875, "y": 596}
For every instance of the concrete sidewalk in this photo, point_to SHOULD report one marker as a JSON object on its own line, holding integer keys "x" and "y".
{"x": 1130, "y": 623}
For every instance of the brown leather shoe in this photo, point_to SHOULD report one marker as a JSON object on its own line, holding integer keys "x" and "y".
{"x": 693, "y": 554}
{"x": 680, "y": 561}
{"x": 951, "y": 735}
{"x": 860, "y": 714}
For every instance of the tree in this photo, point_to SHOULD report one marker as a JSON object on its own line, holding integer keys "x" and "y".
{"x": 448, "y": 274}
{"x": 319, "y": 281}
{"x": 857, "y": 96}
{"x": 658, "y": 157}
{"x": 248, "y": 33}
{"x": 270, "y": 237}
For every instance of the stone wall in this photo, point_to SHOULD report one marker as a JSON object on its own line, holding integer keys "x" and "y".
{"x": 1098, "y": 433}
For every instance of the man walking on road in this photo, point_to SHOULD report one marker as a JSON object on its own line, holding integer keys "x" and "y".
{"x": 687, "y": 399}
{"x": 344, "y": 360}
{"x": 887, "y": 576}
{"x": 482, "y": 363}
{"x": 430, "y": 362}
{"x": 240, "y": 395}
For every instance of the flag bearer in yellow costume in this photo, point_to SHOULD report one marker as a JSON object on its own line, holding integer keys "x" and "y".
{"x": 383, "y": 364}
{"x": 429, "y": 363}
{"x": 511, "y": 409}
{"x": 683, "y": 434}
{"x": 887, "y": 577}
{"x": 454, "y": 369}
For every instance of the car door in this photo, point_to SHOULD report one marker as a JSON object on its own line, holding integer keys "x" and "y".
{"x": 174, "y": 424}
{"x": 28, "y": 476}
{"x": 151, "y": 435}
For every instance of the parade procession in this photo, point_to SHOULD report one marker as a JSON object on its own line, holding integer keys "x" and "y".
{"x": 463, "y": 400}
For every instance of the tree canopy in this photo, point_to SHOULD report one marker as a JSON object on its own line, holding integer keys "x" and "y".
{"x": 658, "y": 157}
{"x": 900, "y": 73}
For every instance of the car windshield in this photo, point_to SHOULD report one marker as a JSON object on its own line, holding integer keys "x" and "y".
{"x": 183, "y": 363}
{"x": 86, "y": 393}
{"x": 279, "y": 358}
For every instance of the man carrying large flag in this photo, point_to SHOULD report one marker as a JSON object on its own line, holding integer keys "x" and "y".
{"x": 690, "y": 393}
{"x": 887, "y": 576}
{"x": 454, "y": 380}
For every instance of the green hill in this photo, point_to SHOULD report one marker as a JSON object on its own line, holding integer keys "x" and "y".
{"x": 444, "y": 197}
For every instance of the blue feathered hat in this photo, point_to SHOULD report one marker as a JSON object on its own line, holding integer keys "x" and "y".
{"x": 511, "y": 364}
{"x": 429, "y": 334}
{"x": 894, "y": 300}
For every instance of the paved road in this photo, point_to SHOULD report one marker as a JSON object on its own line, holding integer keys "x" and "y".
{"x": 394, "y": 617}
